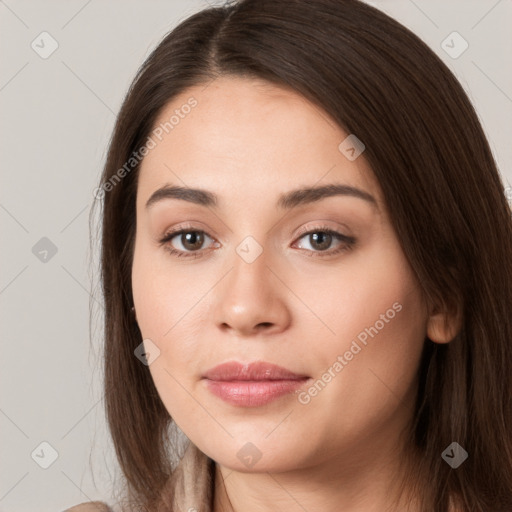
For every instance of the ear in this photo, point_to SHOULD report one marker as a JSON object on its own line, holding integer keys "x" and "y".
{"x": 443, "y": 326}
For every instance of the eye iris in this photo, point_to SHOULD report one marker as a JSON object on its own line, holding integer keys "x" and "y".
{"x": 322, "y": 237}
{"x": 192, "y": 240}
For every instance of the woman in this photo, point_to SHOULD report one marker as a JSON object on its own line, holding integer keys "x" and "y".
{"x": 306, "y": 267}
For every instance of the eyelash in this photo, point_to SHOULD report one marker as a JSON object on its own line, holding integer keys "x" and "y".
{"x": 347, "y": 245}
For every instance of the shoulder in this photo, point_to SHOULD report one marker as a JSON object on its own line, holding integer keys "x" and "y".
{"x": 90, "y": 506}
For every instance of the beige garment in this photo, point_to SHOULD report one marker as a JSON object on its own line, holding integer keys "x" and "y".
{"x": 190, "y": 488}
{"x": 192, "y": 483}
{"x": 90, "y": 506}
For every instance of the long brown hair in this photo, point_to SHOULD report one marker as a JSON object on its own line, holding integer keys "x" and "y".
{"x": 446, "y": 201}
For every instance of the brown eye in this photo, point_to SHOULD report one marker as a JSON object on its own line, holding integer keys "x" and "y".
{"x": 185, "y": 242}
{"x": 192, "y": 240}
{"x": 320, "y": 240}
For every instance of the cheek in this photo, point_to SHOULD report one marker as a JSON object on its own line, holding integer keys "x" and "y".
{"x": 372, "y": 294}
{"x": 170, "y": 307}
{"x": 377, "y": 313}
{"x": 161, "y": 297}
{"x": 167, "y": 308}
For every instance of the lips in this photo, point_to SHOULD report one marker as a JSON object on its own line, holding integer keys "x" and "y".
{"x": 259, "y": 370}
{"x": 252, "y": 384}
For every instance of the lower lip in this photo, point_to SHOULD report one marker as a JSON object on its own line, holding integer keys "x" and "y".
{"x": 251, "y": 393}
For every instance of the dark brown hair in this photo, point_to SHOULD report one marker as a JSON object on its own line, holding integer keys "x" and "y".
{"x": 445, "y": 198}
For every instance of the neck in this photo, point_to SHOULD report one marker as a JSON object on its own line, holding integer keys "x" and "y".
{"x": 362, "y": 482}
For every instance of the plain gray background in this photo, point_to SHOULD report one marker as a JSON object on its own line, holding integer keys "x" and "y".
{"x": 57, "y": 114}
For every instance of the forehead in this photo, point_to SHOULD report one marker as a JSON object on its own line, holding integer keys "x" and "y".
{"x": 236, "y": 134}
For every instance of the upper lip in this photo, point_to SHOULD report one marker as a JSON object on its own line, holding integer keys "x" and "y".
{"x": 258, "y": 370}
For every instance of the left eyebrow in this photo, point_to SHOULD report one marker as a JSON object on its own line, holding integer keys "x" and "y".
{"x": 288, "y": 200}
{"x": 308, "y": 195}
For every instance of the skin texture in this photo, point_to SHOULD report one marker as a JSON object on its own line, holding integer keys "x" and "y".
{"x": 295, "y": 306}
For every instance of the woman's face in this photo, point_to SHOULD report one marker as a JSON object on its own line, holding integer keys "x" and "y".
{"x": 263, "y": 276}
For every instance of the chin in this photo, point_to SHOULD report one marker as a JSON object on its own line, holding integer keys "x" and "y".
{"x": 257, "y": 457}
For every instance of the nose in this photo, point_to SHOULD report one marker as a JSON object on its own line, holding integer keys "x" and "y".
{"x": 251, "y": 299}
